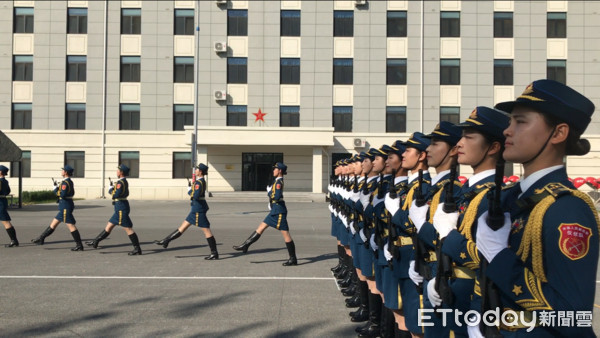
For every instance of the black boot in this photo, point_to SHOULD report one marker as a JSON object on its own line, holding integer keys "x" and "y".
{"x": 244, "y": 246}
{"x": 136, "y": 245}
{"x": 46, "y": 233}
{"x": 341, "y": 253}
{"x": 77, "y": 238}
{"x": 94, "y": 243}
{"x": 291, "y": 247}
{"x": 13, "y": 237}
{"x": 362, "y": 313}
{"x": 374, "y": 329}
{"x": 387, "y": 322}
{"x": 401, "y": 333}
{"x": 351, "y": 290}
{"x": 353, "y": 301}
{"x": 344, "y": 283}
{"x": 165, "y": 241}
{"x": 212, "y": 243}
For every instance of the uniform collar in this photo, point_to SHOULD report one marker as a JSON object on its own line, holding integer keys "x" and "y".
{"x": 439, "y": 176}
{"x": 370, "y": 179}
{"x": 400, "y": 179}
{"x": 530, "y": 180}
{"x": 415, "y": 175}
{"x": 478, "y": 177}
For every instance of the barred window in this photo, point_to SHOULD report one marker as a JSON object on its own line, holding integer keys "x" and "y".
{"x": 75, "y": 116}
{"x": 342, "y": 119}
{"x": 290, "y": 23}
{"x": 77, "y": 20}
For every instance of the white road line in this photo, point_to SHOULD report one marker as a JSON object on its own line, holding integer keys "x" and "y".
{"x": 166, "y": 277}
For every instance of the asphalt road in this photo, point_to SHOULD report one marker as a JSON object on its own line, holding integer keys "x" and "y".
{"x": 49, "y": 291}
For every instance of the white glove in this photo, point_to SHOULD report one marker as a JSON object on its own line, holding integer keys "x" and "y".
{"x": 344, "y": 221}
{"x": 443, "y": 222}
{"x": 351, "y": 226}
{"x": 189, "y": 190}
{"x": 372, "y": 242}
{"x": 335, "y": 213}
{"x": 490, "y": 242}
{"x": 269, "y": 205}
{"x": 53, "y": 188}
{"x": 268, "y": 188}
{"x": 391, "y": 204}
{"x": 474, "y": 331}
{"x": 386, "y": 253}
{"x": 354, "y": 196}
{"x": 414, "y": 276}
{"x": 364, "y": 200}
{"x": 331, "y": 208}
{"x": 433, "y": 296}
{"x": 418, "y": 215}
{"x": 362, "y": 235}
{"x": 377, "y": 200}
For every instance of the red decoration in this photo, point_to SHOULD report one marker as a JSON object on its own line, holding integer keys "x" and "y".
{"x": 462, "y": 179}
{"x": 578, "y": 182}
{"x": 259, "y": 116}
{"x": 505, "y": 179}
{"x": 591, "y": 182}
{"x": 514, "y": 179}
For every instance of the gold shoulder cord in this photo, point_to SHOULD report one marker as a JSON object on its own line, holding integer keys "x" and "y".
{"x": 467, "y": 223}
{"x": 435, "y": 201}
{"x": 409, "y": 197}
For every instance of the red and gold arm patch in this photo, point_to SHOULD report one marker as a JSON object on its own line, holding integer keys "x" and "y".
{"x": 574, "y": 241}
{"x": 119, "y": 186}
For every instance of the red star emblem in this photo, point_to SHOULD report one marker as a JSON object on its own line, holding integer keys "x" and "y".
{"x": 260, "y": 116}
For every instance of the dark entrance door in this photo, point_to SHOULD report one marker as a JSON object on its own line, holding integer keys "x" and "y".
{"x": 257, "y": 170}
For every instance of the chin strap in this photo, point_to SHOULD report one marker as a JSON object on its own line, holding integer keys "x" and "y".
{"x": 543, "y": 147}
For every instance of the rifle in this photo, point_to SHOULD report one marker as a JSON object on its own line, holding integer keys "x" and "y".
{"x": 420, "y": 249}
{"x": 189, "y": 182}
{"x": 55, "y": 184}
{"x": 377, "y": 222}
{"x": 444, "y": 271}
{"x": 490, "y": 296}
{"x": 110, "y": 182}
{"x": 354, "y": 212}
{"x": 392, "y": 233}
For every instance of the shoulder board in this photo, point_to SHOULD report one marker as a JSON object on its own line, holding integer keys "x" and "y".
{"x": 554, "y": 189}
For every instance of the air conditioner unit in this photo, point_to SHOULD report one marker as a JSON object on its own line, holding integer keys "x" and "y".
{"x": 359, "y": 143}
{"x": 220, "y": 47}
{"x": 221, "y": 2}
{"x": 220, "y": 95}
{"x": 360, "y": 2}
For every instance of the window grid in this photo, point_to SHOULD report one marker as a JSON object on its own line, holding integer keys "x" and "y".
{"x": 184, "y": 22}
{"x": 132, "y": 160}
{"x": 23, "y": 20}
{"x": 76, "y": 159}
{"x": 76, "y": 68}
{"x": 131, "y": 21}
{"x": 289, "y": 116}
{"x": 77, "y": 21}
{"x": 184, "y": 69}
{"x": 342, "y": 119}
{"x": 182, "y": 165}
{"x": 23, "y": 68}
{"x": 21, "y": 116}
{"x": 75, "y": 116}
{"x": 395, "y": 119}
{"x": 129, "y": 117}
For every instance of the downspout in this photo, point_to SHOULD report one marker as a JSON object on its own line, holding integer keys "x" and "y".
{"x": 421, "y": 72}
{"x": 103, "y": 171}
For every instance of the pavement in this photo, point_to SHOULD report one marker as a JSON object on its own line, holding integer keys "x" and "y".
{"x": 49, "y": 291}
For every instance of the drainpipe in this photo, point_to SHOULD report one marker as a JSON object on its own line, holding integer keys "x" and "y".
{"x": 103, "y": 170}
{"x": 421, "y": 72}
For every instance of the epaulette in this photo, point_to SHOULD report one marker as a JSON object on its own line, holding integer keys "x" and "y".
{"x": 555, "y": 190}
{"x": 479, "y": 188}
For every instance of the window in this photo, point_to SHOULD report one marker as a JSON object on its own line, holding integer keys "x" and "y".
{"x": 77, "y": 21}
{"x": 182, "y": 165}
{"x": 503, "y": 24}
{"x": 237, "y": 116}
{"x": 556, "y": 26}
{"x": 76, "y": 159}
{"x": 557, "y": 70}
{"x": 289, "y": 116}
{"x": 290, "y": 23}
{"x": 395, "y": 119}
{"x": 132, "y": 160}
{"x": 129, "y": 118}
{"x": 23, "y": 68}
{"x": 396, "y": 71}
{"x": 76, "y": 68}
{"x": 503, "y": 72}
{"x": 449, "y": 24}
{"x": 75, "y": 116}
{"x": 342, "y": 119}
{"x": 184, "y": 22}
{"x": 290, "y": 71}
{"x": 450, "y": 114}
{"x": 450, "y": 71}
{"x": 343, "y": 23}
{"x": 130, "y": 69}
{"x": 25, "y": 162}
{"x": 21, "y": 116}
{"x": 396, "y": 24}
{"x": 237, "y": 70}
{"x": 342, "y": 71}
{"x": 23, "y": 21}
{"x": 183, "y": 115}
{"x": 237, "y": 22}
{"x": 131, "y": 21}
{"x": 184, "y": 69}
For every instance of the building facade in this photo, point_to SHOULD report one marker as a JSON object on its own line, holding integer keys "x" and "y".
{"x": 97, "y": 83}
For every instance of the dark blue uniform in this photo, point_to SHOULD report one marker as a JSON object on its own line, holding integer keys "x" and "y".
{"x": 365, "y": 259}
{"x": 277, "y": 218}
{"x": 65, "y": 192}
{"x": 120, "y": 192}
{"x": 4, "y": 191}
{"x": 197, "y": 215}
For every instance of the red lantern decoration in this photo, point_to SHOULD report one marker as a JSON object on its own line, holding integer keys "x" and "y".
{"x": 505, "y": 179}
{"x": 591, "y": 182}
{"x": 462, "y": 179}
{"x": 513, "y": 179}
{"x": 578, "y": 182}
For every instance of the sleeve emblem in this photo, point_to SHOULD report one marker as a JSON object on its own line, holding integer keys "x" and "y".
{"x": 119, "y": 186}
{"x": 278, "y": 186}
{"x": 197, "y": 187}
{"x": 574, "y": 241}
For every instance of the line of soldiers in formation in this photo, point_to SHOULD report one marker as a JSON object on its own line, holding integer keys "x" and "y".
{"x": 410, "y": 242}
{"x": 119, "y": 191}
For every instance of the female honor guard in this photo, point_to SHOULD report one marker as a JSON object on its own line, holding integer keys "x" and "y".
{"x": 121, "y": 215}
{"x": 544, "y": 254}
{"x": 197, "y": 215}
{"x": 4, "y": 217}
{"x": 277, "y": 218}
{"x": 64, "y": 193}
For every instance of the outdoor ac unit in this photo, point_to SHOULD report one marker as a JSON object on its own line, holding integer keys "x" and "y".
{"x": 221, "y": 2}
{"x": 359, "y": 143}
{"x": 220, "y": 95}
{"x": 220, "y": 47}
{"x": 360, "y": 2}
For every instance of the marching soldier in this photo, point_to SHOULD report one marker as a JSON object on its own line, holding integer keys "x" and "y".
{"x": 197, "y": 215}
{"x": 120, "y": 192}
{"x": 64, "y": 194}
{"x": 544, "y": 254}
{"x": 277, "y": 217}
{"x": 4, "y": 217}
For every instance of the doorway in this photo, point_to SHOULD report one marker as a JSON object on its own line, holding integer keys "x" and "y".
{"x": 257, "y": 169}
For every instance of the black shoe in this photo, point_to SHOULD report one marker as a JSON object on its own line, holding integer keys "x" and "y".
{"x": 363, "y": 328}
{"x": 360, "y": 315}
{"x": 353, "y": 301}
{"x": 79, "y": 247}
{"x": 244, "y": 246}
{"x": 165, "y": 241}
{"x": 94, "y": 243}
{"x": 344, "y": 283}
{"x": 343, "y": 273}
{"x": 43, "y": 235}
{"x": 213, "y": 255}
{"x": 337, "y": 268}
{"x": 290, "y": 262}
{"x": 349, "y": 291}
{"x": 136, "y": 251}
{"x": 372, "y": 331}
{"x": 11, "y": 244}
